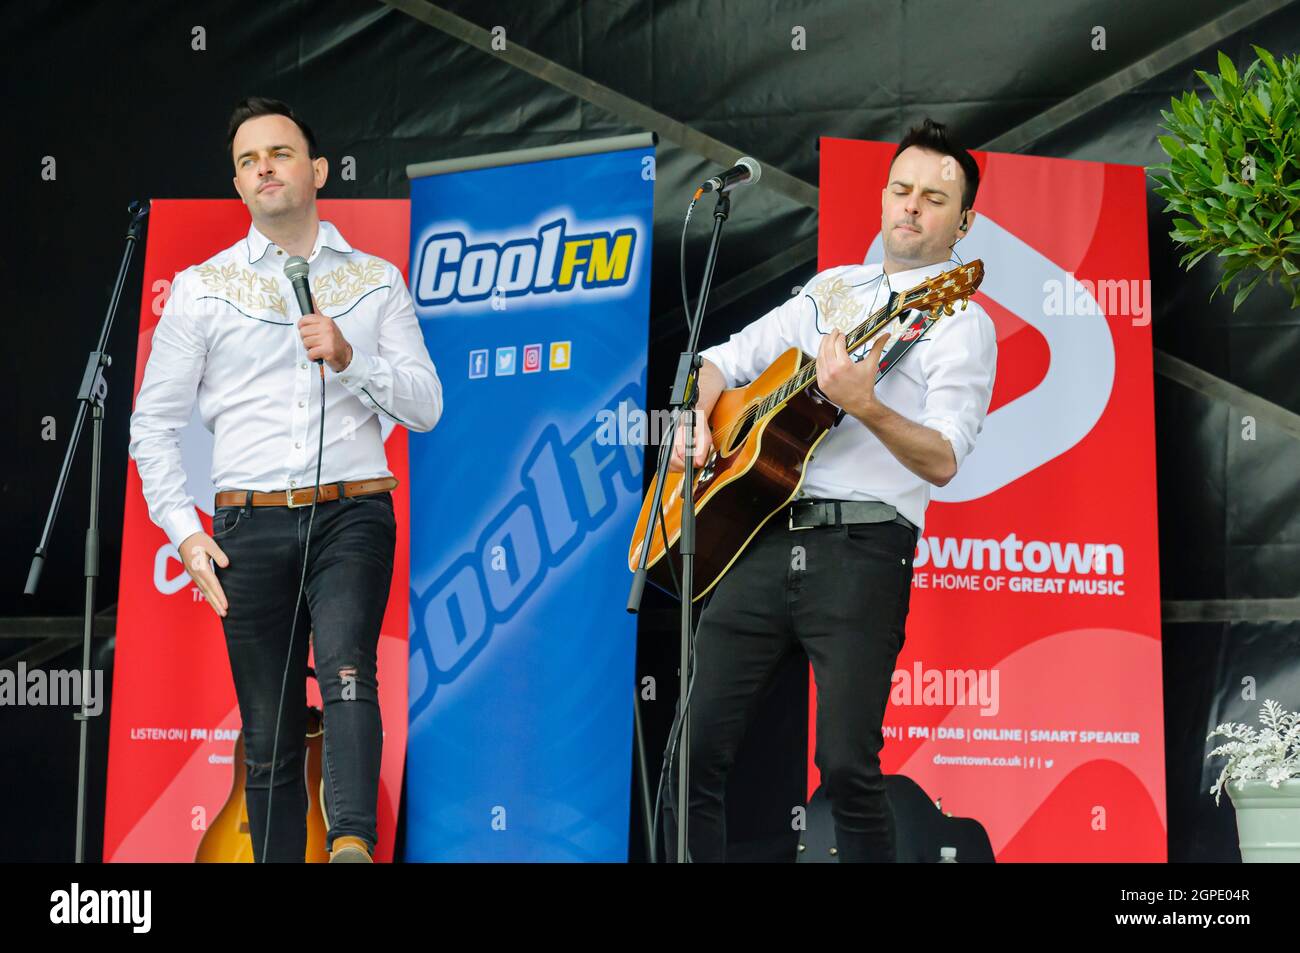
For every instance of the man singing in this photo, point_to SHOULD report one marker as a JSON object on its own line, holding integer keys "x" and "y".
{"x": 230, "y": 336}
{"x": 859, "y": 511}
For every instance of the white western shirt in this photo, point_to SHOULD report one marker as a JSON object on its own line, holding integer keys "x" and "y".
{"x": 943, "y": 382}
{"x": 228, "y": 336}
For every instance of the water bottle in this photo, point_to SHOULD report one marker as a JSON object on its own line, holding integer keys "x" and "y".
{"x": 947, "y": 855}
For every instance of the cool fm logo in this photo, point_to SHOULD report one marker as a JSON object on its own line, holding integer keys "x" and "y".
{"x": 1047, "y": 421}
{"x": 459, "y": 268}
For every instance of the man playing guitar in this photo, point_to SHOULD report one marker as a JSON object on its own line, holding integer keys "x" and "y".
{"x": 832, "y": 573}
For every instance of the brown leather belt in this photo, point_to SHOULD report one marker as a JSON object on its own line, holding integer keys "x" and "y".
{"x": 302, "y": 496}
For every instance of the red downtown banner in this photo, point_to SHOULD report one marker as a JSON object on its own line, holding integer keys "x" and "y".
{"x": 1028, "y": 692}
{"x": 174, "y": 715}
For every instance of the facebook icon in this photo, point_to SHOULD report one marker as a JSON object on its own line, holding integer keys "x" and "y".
{"x": 478, "y": 363}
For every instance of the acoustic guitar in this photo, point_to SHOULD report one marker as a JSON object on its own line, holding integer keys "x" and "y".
{"x": 763, "y": 434}
{"x": 227, "y": 839}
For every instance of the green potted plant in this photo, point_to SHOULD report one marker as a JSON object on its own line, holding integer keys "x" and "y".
{"x": 1263, "y": 779}
{"x": 1233, "y": 175}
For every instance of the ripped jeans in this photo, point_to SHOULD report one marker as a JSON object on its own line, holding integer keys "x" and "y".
{"x": 349, "y": 574}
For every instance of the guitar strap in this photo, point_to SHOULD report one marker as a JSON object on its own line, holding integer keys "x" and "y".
{"x": 911, "y": 334}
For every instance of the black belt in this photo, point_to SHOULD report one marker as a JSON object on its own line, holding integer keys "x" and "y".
{"x": 808, "y": 514}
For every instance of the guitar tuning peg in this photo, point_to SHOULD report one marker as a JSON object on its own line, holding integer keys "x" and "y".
{"x": 963, "y": 303}
{"x": 947, "y": 307}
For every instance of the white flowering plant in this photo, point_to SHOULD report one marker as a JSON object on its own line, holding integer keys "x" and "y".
{"x": 1271, "y": 753}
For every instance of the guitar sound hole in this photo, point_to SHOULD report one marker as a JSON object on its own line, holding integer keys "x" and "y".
{"x": 741, "y": 433}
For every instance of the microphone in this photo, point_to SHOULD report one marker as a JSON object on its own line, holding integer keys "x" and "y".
{"x": 746, "y": 171}
{"x": 296, "y": 270}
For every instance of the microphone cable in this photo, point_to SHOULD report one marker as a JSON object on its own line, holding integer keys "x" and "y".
{"x": 297, "y": 604}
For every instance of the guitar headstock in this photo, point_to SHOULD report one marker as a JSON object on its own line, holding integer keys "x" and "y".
{"x": 936, "y": 295}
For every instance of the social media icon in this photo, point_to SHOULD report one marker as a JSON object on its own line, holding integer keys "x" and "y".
{"x": 505, "y": 361}
{"x": 561, "y": 355}
{"x": 478, "y": 366}
{"x": 532, "y": 358}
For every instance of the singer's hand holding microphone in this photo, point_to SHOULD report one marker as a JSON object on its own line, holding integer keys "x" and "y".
{"x": 325, "y": 342}
{"x": 320, "y": 335}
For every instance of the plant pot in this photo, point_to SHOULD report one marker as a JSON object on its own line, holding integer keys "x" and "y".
{"x": 1268, "y": 820}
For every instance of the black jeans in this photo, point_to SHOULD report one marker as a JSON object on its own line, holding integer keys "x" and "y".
{"x": 349, "y": 574}
{"x": 842, "y": 594}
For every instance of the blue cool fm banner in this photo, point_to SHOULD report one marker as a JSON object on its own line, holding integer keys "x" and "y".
{"x": 532, "y": 285}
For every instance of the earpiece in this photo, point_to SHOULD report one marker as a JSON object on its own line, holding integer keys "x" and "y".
{"x": 964, "y": 224}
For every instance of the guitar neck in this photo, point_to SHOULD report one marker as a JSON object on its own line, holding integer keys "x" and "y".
{"x": 806, "y": 374}
{"x": 934, "y": 295}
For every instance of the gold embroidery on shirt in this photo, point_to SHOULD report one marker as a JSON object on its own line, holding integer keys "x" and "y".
{"x": 346, "y": 282}
{"x": 837, "y": 304}
{"x": 242, "y": 286}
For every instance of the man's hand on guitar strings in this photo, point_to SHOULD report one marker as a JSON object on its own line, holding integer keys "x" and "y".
{"x": 703, "y": 444}
{"x": 849, "y": 385}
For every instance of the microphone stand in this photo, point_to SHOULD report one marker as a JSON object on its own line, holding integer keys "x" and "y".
{"x": 684, "y": 395}
{"x": 92, "y": 395}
